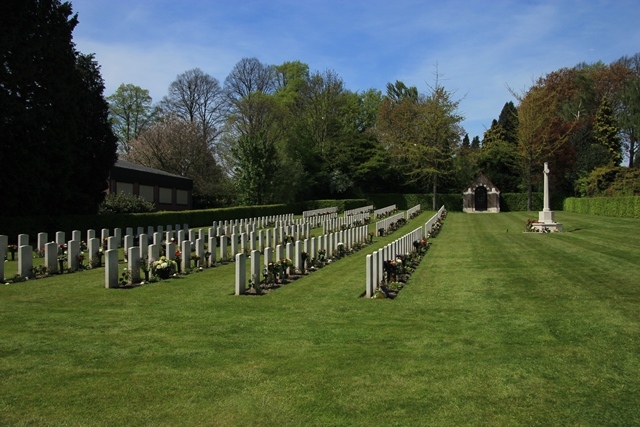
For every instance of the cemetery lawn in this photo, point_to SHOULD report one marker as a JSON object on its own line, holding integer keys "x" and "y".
{"x": 496, "y": 327}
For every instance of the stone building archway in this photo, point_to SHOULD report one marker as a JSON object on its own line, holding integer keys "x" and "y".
{"x": 481, "y": 196}
{"x": 480, "y": 199}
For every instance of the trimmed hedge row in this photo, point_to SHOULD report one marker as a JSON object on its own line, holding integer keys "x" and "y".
{"x": 624, "y": 207}
{"x": 509, "y": 202}
{"x": 12, "y": 226}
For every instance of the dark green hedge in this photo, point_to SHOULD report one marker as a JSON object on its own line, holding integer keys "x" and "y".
{"x": 341, "y": 204}
{"x": 509, "y": 202}
{"x": 453, "y": 202}
{"x": 624, "y": 207}
{"x": 514, "y": 202}
{"x": 12, "y": 226}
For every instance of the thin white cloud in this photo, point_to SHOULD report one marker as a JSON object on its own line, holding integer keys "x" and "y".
{"x": 480, "y": 47}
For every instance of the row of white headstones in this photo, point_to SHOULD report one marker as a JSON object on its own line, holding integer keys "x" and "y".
{"x": 228, "y": 233}
{"x": 330, "y": 243}
{"x": 374, "y": 262}
{"x": 176, "y": 234}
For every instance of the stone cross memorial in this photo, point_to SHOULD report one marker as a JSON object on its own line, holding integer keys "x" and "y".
{"x": 546, "y": 217}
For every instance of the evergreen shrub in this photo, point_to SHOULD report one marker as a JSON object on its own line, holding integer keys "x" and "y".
{"x": 623, "y": 207}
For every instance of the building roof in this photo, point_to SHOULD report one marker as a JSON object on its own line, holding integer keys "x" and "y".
{"x": 131, "y": 172}
{"x": 133, "y": 166}
{"x": 481, "y": 179}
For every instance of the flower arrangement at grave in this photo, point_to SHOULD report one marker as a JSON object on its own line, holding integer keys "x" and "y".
{"x": 96, "y": 260}
{"x": 125, "y": 278}
{"x": 319, "y": 261}
{"x": 255, "y": 284}
{"x": 178, "y": 259}
{"x": 196, "y": 260}
{"x": 12, "y": 250}
{"x": 270, "y": 273}
{"x": 340, "y": 249}
{"x": 435, "y": 228}
{"x": 390, "y": 269}
{"x": 371, "y": 234}
{"x": 283, "y": 265}
{"x": 164, "y": 267}
{"x": 144, "y": 266}
{"x": 40, "y": 253}
{"x": 62, "y": 256}
{"x": 80, "y": 258}
{"x": 529, "y": 226}
{"x": 207, "y": 254}
{"x": 391, "y": 228}
{"x": 420, "y": 246}
{"x": 39, "y": 271}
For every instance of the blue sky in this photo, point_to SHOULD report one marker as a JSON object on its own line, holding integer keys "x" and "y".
{"x": 479, "y": 47}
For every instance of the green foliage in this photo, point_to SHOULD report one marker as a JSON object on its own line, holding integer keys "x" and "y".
{"x": 498, "y": 160}
{"x": 508, "y": 121}
{"x": 131, "y": 112}
{"x": 629, "y": 116}
{"x": 514, "y": 202}
{"x": 606, "y": 132}
{"x": 453, "y": 202}
{"x": 623, "y": 207}
{"x": 117, "y": 203}
{"x": 610, "y": 181}
{"x": 57, "y": 143}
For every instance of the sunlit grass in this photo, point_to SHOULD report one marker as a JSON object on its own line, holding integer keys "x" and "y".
{"x": 496, "y": 327}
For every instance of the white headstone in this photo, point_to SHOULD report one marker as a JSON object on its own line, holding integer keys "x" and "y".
{"x": 133, "y": 263}
{"x": 241, "y": 273}
{"x": 212, "y": 250}
{"x": 73, "y": 251}
{"x": 51, "y": 256}
{"x": 25, "y": 261}
{"x": 186, "y": 256}
{"x": 111, "y": 269}
{"x": 255, "y": 268}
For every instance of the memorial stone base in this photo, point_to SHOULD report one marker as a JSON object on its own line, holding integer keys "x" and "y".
{"x": 546, "y": 221}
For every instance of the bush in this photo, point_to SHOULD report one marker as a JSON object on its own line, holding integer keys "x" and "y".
{"x": 623, "y": 207}
{"x": 610, "y": 181}
{"x": 117, "y": 203}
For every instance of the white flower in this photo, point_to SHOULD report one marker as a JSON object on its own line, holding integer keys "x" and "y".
{"x": 163, "y": 265}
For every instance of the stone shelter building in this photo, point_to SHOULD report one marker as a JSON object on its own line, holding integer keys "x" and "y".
{"x": 481, "y": 196}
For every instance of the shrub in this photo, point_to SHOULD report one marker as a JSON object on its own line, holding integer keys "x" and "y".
{"x": 610, "y": 181}
{"x": 116, "y": 203}
{"x": 624, "y": 207}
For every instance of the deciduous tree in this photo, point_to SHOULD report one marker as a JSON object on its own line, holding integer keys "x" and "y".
{"x": 198, "y": 98}
{"x": 131, "y": 112}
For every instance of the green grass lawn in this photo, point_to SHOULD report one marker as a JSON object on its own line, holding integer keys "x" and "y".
{"x": 496, "y": 327}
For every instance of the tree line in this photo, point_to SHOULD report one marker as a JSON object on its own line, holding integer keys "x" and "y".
{"x": 280, "y": 133}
